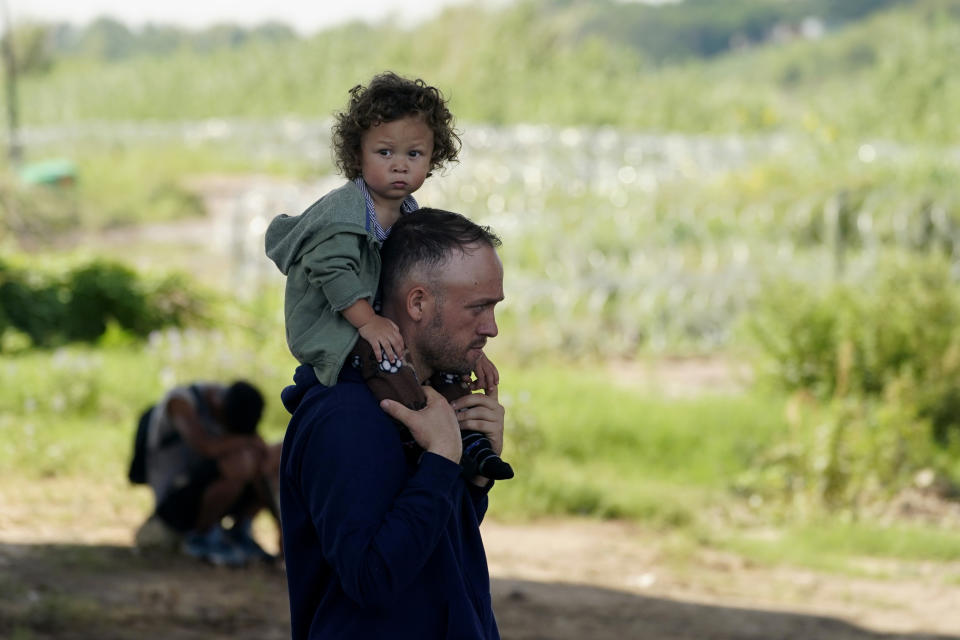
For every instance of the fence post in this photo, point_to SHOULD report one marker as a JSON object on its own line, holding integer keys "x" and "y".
{"x": 15, "y": 150}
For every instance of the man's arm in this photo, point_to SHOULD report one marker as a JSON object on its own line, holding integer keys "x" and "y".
{"x": 377, "y": 526}
{"x": 188, "y": 424}
{"x": 333, "y": 266}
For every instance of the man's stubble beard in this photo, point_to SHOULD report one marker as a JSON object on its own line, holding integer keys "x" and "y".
{"x": 438, "y": 352}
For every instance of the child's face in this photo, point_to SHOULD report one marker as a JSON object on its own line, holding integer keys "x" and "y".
{"x": 395, "y": 158}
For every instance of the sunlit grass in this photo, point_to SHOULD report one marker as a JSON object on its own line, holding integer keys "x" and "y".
{"x": 865, "y": 548}
{"x": 580, "y": 446}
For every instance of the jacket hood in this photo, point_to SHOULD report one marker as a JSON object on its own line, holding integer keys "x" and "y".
{"x": 304, "y": 379}
{"x": 282, "y": 241}
{"x": 290, "y": 237}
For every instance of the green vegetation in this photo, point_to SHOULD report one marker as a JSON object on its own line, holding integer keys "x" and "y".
{"x": 583, "y": 446}
{"x": 889, "y": 75}
{"x": 691, "y": 29}
{"x": 591, "y": 447}
{"x": 83, "y": 304}
{"x": 874, "y": 370}
{"x": 652, "y": 192}
{"x": 849, "y": 547}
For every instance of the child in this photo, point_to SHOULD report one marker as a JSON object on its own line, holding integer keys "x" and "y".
{"x": 390, "y": 138}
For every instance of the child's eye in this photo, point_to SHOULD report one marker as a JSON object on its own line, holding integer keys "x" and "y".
{"x": 384, "y": 152}
{"x": 415, "y": 154}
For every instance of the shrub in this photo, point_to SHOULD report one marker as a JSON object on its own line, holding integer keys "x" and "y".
{"x": 874, "y": 369}
{"x": 857, "y": 337}
{"x": 79, "y": 305}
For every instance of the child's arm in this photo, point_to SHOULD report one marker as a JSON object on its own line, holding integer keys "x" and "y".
{"x": 487, "y": 375}
{"x": 382, "y": 334}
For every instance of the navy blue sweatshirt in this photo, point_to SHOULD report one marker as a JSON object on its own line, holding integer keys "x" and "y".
{"x": 376, "y": 545}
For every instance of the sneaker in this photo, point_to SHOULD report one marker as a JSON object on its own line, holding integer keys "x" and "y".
{"x": 215, "y": 547}
{"x": 242, "y": 536}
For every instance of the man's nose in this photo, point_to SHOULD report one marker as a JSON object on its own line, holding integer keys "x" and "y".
{"x": 488, "y": 327}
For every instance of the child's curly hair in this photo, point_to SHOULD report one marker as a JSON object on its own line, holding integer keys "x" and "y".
{"x": 390, "y": 97}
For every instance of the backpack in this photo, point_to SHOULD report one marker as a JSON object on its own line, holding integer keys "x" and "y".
{"x": 138, "y": 461}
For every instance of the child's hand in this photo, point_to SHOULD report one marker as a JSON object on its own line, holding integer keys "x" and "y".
{"x": 487, "y": 375}
{"x": 384, "y": 337}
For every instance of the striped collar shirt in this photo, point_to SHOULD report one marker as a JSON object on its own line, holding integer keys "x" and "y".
{"x": 407, "y": 206}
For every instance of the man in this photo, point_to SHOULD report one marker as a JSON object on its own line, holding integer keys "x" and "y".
{"x": 382, "y": 534}
{"x": 204, "y": 462}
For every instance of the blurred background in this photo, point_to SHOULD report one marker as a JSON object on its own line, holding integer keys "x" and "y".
{"x": 731, "y": 239}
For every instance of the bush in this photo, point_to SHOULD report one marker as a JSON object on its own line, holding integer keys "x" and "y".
{"x": 874, "y": 369}
{"x": 845, "y": 454}
{"x": 856, "y": 338}
{"x": 79, "y": 305}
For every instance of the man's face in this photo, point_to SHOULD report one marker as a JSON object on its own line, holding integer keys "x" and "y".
{"x": 469, "y": 286}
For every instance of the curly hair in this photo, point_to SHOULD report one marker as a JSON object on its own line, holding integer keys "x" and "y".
{"x": 390, "y": 97}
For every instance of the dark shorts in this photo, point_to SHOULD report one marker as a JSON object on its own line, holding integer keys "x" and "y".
{"x": 181, "y": 507}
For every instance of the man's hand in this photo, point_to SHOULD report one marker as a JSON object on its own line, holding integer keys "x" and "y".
{"x": 384, "y": 337}
{"x": 487, "y": 374}
{"x": 482, "y": 412}
{"x": 434, "y": 427}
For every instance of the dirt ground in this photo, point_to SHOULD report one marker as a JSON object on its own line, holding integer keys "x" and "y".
{"x": 558, "y": 580}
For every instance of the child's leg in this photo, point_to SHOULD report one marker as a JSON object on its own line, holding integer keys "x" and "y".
{"x": 398, "y": 384}
{"x": 478, "y": 457}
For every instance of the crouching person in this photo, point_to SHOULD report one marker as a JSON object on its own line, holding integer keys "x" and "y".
{"x": 210, "y": 472}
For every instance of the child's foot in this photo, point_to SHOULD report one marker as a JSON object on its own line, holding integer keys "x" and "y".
{"x": 496, "y": 469}
{"x": 479, "y": 458}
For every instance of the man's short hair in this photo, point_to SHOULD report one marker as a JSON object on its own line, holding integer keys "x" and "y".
{"x": 242, "y": 408}
{"x": 427, "y": 238}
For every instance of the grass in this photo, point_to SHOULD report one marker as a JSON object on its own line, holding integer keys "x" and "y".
{"x": 126, "y": 182}
{"x": 581, "y": 446}
{"x": 517, "y": 65}
{"x": 860, "y": 548}
{"x": 78, "y": 398}
{"x": 592, "y": 447}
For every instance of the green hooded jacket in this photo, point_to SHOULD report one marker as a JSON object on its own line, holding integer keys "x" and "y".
{"x": 331, "y": 261}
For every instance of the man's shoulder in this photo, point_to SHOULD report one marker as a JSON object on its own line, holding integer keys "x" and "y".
{"x": 342, "y": 417}
{"x": 349, "y": 398}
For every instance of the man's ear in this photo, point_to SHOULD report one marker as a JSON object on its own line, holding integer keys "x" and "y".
{"x": 417, "y": 299}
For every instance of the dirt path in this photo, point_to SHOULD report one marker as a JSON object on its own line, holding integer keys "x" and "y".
{"x": 558, "y": 580}
{"x": 615, "y": 580}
